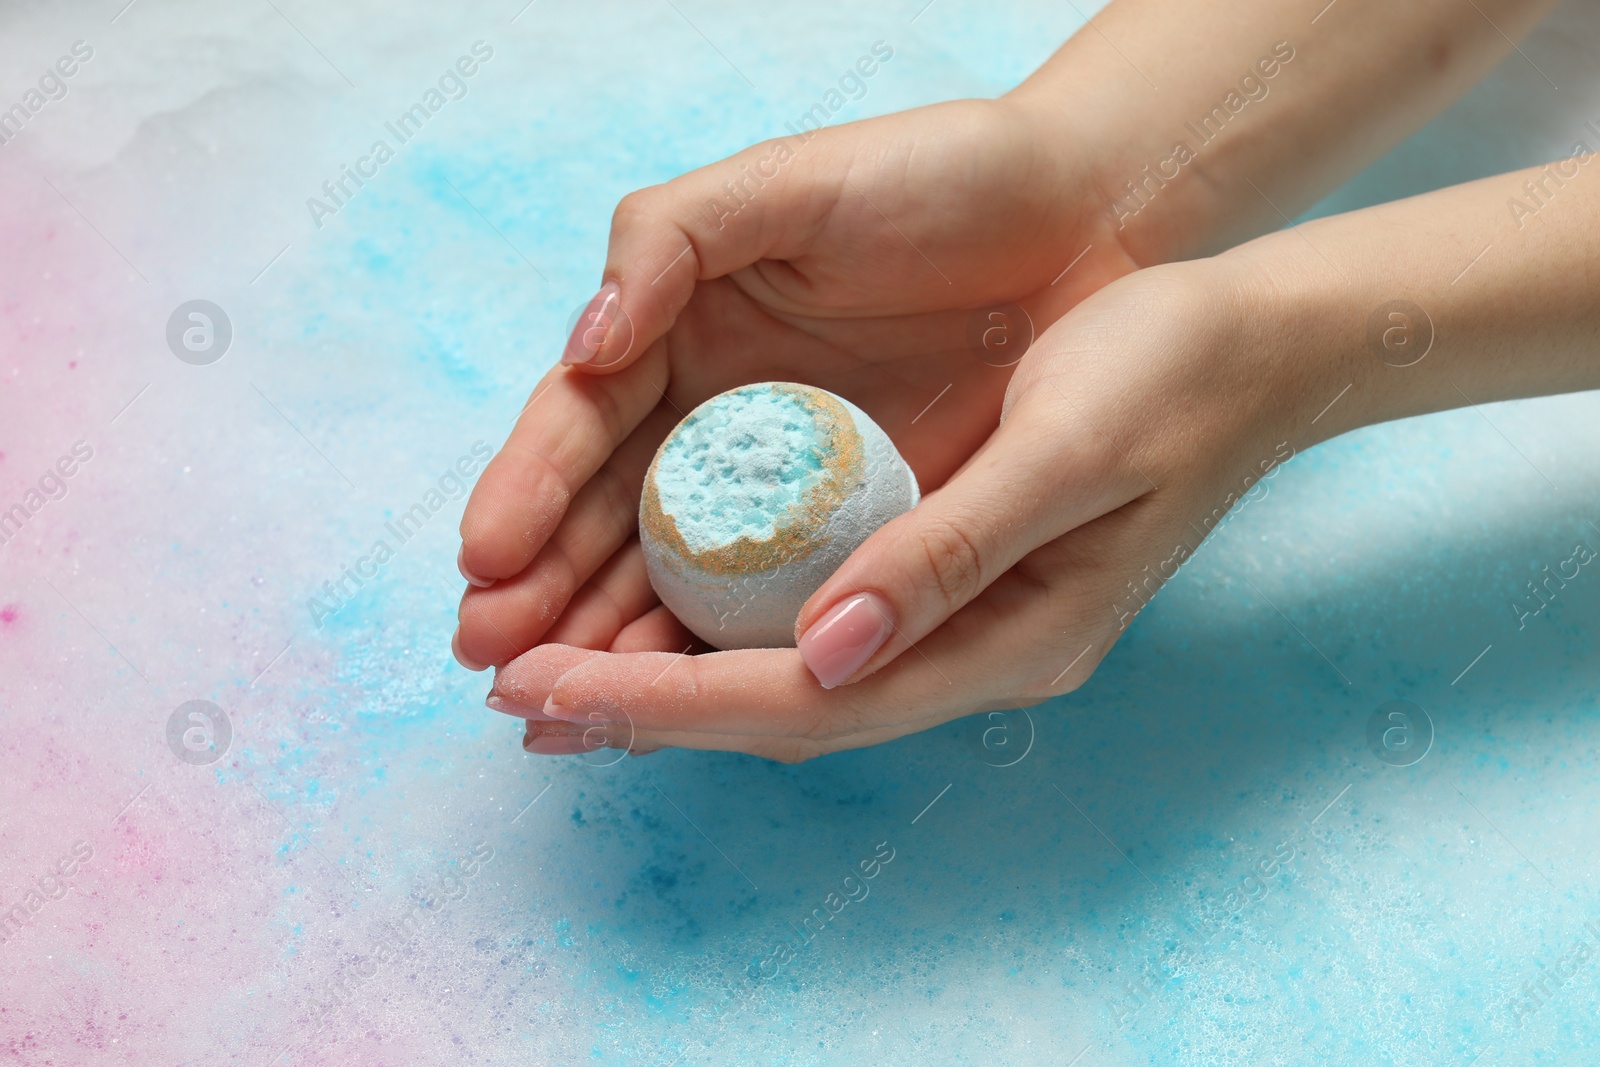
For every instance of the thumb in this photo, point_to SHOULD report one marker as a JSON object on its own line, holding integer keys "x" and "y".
{"x": 756, "y": 204}
{"x": 1041, "y": 474}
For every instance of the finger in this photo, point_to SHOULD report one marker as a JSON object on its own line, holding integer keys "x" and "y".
{"x": 750, "y": 693}
{"x": 569, "y": 427}
{"x": 764, "y": 202}
{"x": 511, "y": 616}
{"x": 658, "y": 630}
{"x": 520, "y": 690}
{"x": 617, "y": 595}
{"x": 1036, "y": 631}
{"x": 563, "y": 739}
{"x": 753, "y": 692}
{"x": 1043, "y": 472}
{"x": 522, "y": 686}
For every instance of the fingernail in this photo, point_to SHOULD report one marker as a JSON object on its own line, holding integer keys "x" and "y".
{"x": 559, "y": 744}
{"x": 461, "y": 657}
{"x": 555, "y": 741}
{"x": 837, "y": 645}
{"x": 472, "y": 579}
{"x": 590, "y": 332}
{"x": 510, "y": 707}
{"x": 565, "y": 714}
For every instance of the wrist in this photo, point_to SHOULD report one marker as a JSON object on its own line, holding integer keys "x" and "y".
{"x": 1343, "y": 344}
{"x": 1139, "y": 191}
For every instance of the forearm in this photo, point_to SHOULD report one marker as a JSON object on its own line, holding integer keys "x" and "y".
{"x": 1216, "y": 120}
{"x": 1501, "y": 284}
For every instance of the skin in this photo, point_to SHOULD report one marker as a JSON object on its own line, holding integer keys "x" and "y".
{"x": 1152, "y": 399}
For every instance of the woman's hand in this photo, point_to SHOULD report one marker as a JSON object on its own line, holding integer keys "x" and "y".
{"x": 1130, "y": 428}
{"x": 853, "y": 261}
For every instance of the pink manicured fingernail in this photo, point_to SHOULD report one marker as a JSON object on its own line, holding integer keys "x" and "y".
{"x": 557, "y": 739}
{"x": 590, "y": 332}
{"x": 564, "y": 714}
{"x": 558, "y": 744}
{"x": 472, "y": 579}
{"x": 514, "y": 708}
{"x": 507, "y": 696}
{"x": 837, "y": 645}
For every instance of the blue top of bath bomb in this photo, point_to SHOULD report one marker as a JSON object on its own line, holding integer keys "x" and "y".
{"x": 737, "y": 464}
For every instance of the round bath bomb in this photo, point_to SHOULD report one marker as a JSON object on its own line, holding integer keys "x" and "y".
{"x": 755, "y": 499}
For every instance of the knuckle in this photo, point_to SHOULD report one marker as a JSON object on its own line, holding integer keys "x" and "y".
{"x": 632, "y": 207}
{"x": 620, "y": 498}
{"x": 690, "y": 682}
{"x": 790, "y": 751}
{"x": 1064, "y": 665}
{"x": 1074, "y": 626}
{"x": 839, "y": 714}
{"x": 954, "y": 559}
{"x": 1043, "y": 689}
{"x": 1049, "y": 686}
{"x": 608, "y": 411}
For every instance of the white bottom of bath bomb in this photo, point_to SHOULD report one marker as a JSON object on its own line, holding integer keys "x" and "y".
{"x": 755, "y": 499}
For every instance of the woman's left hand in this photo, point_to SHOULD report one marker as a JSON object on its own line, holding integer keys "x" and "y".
{"x": 1129, "y": 429}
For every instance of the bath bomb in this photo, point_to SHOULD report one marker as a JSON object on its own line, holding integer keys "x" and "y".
{"x": 755, "y": 499}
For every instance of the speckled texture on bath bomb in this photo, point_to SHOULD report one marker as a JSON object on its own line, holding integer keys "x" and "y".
{"x": 755, "y": 499}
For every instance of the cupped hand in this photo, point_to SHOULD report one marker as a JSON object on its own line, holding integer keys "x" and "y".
{"x": 852, "y": 260}
{"x": 1129, "y": 429}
